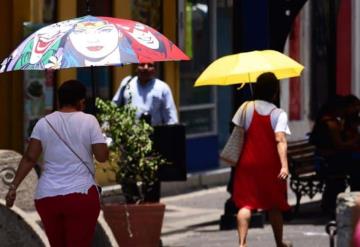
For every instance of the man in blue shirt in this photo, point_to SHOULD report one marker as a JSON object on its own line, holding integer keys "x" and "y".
{"x": 154, "y": 103}
{"x": 151, "y": 96}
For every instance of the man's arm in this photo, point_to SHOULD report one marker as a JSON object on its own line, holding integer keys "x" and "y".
{"x": 169, "y": 112}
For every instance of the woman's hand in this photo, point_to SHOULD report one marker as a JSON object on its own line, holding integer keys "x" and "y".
{"x": 10, "y": 197}
{"x": 27, "y": 162}
{"x": 284, "y": 173}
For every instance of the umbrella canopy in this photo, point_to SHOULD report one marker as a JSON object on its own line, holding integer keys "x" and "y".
{"x": 247, "y": 66}
{"x": 91, "y": 41}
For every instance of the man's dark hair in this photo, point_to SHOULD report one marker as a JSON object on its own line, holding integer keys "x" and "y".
{"x": 351, "y": 100}
{"x": 71, "y": 92}
{"x": 266, "y": 87}
{"x": 333, "y": 106}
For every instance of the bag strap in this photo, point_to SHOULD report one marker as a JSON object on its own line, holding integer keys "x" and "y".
{"x": 243, "y": 114}
{"x": 273, "y": 109}
{"x": 69, "y": 147}
{"x": 122, "y": 91}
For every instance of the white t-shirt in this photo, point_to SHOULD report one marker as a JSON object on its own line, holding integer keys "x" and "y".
{"x": 63, "y": 172}
{"x": 278, "y": 117}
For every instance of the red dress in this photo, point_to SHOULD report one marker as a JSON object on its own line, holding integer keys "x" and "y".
{"x": 256, "y": 182}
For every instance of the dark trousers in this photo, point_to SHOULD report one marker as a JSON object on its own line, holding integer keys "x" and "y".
{"x": 335, "y": 174}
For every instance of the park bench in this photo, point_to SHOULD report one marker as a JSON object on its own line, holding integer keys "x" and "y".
{"x": 303, "y": 166}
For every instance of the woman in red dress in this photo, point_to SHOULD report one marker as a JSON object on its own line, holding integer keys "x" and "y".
{"x": 260, "y": 175}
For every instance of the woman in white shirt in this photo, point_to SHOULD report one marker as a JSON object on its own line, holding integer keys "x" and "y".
{"x": 66, "y": 196}
{"x": 261, "y": 172}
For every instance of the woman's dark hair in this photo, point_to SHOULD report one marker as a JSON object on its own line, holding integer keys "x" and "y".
{"x": 266, "y": 87}
{"x": 71, "y": 92}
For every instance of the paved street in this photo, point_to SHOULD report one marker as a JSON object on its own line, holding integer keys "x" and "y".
{"x": 193, "y": 220}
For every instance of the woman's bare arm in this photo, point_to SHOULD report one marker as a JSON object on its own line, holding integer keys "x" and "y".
{"x": 27, "y": 162}
{"x": 100, "y": 151}
{"x": 282, "y": 151}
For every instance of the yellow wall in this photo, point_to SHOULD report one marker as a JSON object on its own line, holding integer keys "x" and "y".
{"x": 66, "y": 9}
{"x": 121, "y": 9}
{"x": 171, "y": 69}
{"x": 5, "y": 79}
{"x": 12, "y": 15}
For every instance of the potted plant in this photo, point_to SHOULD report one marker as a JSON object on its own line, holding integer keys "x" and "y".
{"x": 136, "y": 165}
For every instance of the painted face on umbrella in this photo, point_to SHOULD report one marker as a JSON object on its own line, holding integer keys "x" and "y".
{"x": 144, "y": 36}
{"x": 95, "y": 39}
{"x": 46, "y": 38}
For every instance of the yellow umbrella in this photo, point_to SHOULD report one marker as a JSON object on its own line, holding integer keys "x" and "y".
{"x": 245, "y": 67}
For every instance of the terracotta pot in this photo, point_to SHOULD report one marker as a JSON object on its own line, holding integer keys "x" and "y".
{"x": 144, "y": 222}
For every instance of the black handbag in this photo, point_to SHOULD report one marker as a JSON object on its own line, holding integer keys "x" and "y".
{"x": 170, "y": 142}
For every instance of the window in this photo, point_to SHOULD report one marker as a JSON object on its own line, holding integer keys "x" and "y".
{"x": 197, "y": 105}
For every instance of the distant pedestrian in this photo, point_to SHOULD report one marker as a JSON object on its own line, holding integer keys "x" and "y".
{"x": 262, "y": 170}
{"x": 335, "y": 144}
{"x": 154, "y": 103}
{"x": 66, "y": 196}
{"x": 151, "y": 97}
{"x": 352, "y": 135}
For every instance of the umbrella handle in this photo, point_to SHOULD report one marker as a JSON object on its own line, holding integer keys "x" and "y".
{"x": 241, "y": 86}
{"x": 88, "y": 7}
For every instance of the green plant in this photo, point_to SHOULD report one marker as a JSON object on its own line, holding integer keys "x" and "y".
{"x": 131, "y": 148}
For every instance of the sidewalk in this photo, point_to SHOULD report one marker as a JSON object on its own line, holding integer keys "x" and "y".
{"x": 197, "y": 181}
{"x": 192, "y": 219}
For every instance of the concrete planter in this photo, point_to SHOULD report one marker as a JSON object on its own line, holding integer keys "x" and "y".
{"x": 136, "y": 225}
{"x": 346, "y": 203}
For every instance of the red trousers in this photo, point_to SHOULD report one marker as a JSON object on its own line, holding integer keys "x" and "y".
{"x": 70, "y": 220}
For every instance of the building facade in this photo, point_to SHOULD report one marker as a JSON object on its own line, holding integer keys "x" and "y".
{"x": 324, "y": 37}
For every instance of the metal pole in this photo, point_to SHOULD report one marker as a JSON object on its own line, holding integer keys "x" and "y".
{"x": 87, "y": 7}
{"x": 93, "y": 88}
{"x": 331, "y": 229}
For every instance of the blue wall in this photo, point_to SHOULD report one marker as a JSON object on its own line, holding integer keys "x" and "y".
{"x": 255, "y": 25}
{"x": 202, "y": 153}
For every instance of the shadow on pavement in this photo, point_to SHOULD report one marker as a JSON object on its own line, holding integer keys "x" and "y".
{"x": 309, "y": 213}
{"x": 202, "y": 227}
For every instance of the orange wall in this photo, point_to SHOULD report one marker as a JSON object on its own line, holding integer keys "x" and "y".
{"x": 12, "y": 15}
{"x": 66, "y": 9}
{"x": 343, "y": 49}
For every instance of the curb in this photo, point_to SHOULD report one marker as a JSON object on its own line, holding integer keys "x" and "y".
{"x": 196, "y": 181}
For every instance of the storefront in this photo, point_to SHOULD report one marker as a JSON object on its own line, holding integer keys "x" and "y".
{"x": 205, "y": 33}
{"x": 192, "y": 24}
{"x": 325, "y": 38}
